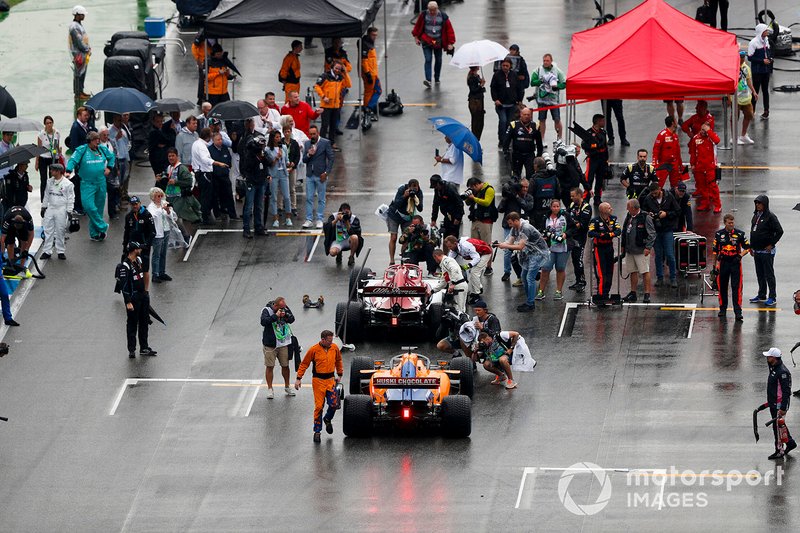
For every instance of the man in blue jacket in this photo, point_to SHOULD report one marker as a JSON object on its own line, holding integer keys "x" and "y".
{"x": 318, "y": 157}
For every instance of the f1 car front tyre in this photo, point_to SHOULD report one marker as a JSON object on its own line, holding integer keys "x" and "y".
{"x": 348, "y": 321}
{"x": 357, "y": 417}
{"x": 357, "y": 364}
{"x": 456, "y": 416}
{"x": 466, "y": 378}
{"x": 356, "y": 277}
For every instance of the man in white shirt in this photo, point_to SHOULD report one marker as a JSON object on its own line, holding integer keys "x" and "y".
{"x": 452, "y": 163}
{"x": 202, "y": 118}
{"x": 476, "y": 255}
{"x": 6, "y": 144}
{"x": 454, "y": 277}
{"x": 203, "y": 164}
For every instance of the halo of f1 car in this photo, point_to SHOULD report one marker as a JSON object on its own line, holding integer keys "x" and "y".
{"x": 409, "y": 391}
{"x": 402, "y": 298}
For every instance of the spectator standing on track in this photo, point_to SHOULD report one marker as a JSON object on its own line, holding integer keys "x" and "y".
{"x": 300, "y": 111}
{"x": 723, "y": 13}
{"x": 162, "y": 213}
{"x": 746, "y": 97}
{"x": 157, "y": 144}
{"x": 637, "y": 177}
{"x": 112, "y": 179}
{"x": 16, "y": 186}
{"x": 555, "y": 233}
{"x": 179, "y": 192}
{"x": 603, "y": 229}
{"x": 525, "y": 143}
{"x": 223, "y": 204}
{"x": 452, "y": 163}
{"x": 318, "y": 155}
{"x": 278, "y": 159}
{"x": 761, "y": 62}
{"x": 78, "y": 133}
{"x": 663, "y": 207}
{"x": 132, "y": 283}
{"x": 638, "y": 237}
{"x": 667, "y": 151}
{"x": 532, "y": 251}
{"x": 203, "y": 165}
{"x": 549, "y": 82}
{"x": 276, "y": 318}
{"x": 294, "y": 154}
{"x": 729, "y": 246}
{"x": 446, "y": 200}
{"x": 703, "y": 160}
{"x": 289, "y": 74}
{"x": 765, "y": 232}
{"x": 596, "y": 149}
{"x": 185, "y": 139}
{"x": 779, "y": 392}
{"x": 475, "y": 83}
{"x": 615, "y": 106}
{"x": 406, "y": 203}
{"x": 504, "y": 89}
{"x": 580, "y": 214}
{"x": 50, "y": 139}
{"x": 120, "y": 137}
{"x": 326, "y": 359}
{"x": 139, "y": 228}
{"x": 434, "y": 33}
{"x": 256, "y": 176}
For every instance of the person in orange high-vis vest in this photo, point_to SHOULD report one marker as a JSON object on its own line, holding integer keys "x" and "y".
{"x": 327, "y": 370}
{"x": 289, "y": 74}
{"x": 330, "y": 88}
{"x": 369, "y": 71}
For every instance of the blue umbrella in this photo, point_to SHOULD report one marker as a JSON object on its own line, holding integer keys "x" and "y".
{"x": 461, "y": 136}
{"x": 121, "y": 100}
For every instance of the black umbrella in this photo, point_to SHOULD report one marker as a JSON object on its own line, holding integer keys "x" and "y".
{"x": 152, "y": 313}
{"x": 20, "y": 154}
{"x": 234, "y": 110}
{"x": 8, "y": 106}
{"x": 797, "y": 207}
{"x": 121, "y": 100}
{"x": 169, "y": 105}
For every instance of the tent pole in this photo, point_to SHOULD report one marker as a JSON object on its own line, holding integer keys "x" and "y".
{"x": 205, "y": 66}
{"x": 726, "y": 123}
{"x": 233, "y": 51}
{"x": 734, "y": 152}
{"x": 385, "y": 50}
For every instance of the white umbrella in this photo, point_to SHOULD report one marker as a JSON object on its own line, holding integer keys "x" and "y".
{"x": 20, "y": 124}
{"x": 478, "y": 54}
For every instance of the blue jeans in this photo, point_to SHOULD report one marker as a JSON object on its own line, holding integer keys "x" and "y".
{"x": 504, "y": 115}
{"x": 159, "y": 256}
{"x": 507, "y": 253}
{"x": 254, "y": 197}
{"x": 315, "y": 186}
{"x": 665, "y": 245}
{"x": 431, "y": 53}
{"x": 282, "y": 183}
{"x": 529, "y": 271}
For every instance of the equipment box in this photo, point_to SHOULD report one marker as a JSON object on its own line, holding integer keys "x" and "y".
{"x": 690, "y": 252}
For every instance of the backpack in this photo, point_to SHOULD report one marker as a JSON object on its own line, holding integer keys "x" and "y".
{"x": 480, "y": 246}
{"x": 392, "y": 106}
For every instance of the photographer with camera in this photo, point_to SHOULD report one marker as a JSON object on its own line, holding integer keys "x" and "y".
{"x": 664, "y": 209}
{"x": 419, "y": 241}
{"x": 495, "y": 352}
{"x": 219, "y": 73}
{"x": 408, "y": 200}
{"x": 579, "y": 216}
{"x": 525, "y": 143}
{"x": 255, "y": 169}
{"x": 568, "y": 169}
{"x": 276, "y": 318}
{"x": 515, "y": 200}
{"x": 638, "y": 237}
{"x": 638, "y": 176}
{"x": 342, "y": 233}
{"x": 533, "y": 252}
{"x": 482, "y": 210}
{"x": 596, "y": 147}
{"x": 476, "y": 254}
{"x": 447, "y": 200}
{"x": 544, "y": 188}
{"x": 454, "y": 277}
{"x": 555, "y": 233}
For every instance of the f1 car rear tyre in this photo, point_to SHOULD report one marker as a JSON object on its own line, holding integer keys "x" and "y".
{"x": 349, "y": 312}
{"x": 357, "y": 416}
{"x": 357, "y": 364}
{"x": 435, "y": 311}
{"x": 357, "y": 276}
{"x": 466, "y": 377}
{"x": 456, "y": 416}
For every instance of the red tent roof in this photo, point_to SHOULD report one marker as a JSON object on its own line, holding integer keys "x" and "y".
{"x": 652, "y": 52}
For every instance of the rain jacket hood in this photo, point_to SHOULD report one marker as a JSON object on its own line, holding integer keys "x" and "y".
{"x": 763, "y": 199}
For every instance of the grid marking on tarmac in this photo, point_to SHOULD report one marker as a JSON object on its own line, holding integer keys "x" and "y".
{"x": 661, "y": 307}
{"x": 134, "y": 381}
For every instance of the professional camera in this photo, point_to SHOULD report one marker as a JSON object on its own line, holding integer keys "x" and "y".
{"x": 495, "y": 244}
{"x": 511, "y": 188}
{"x": 563, "y": 152}
{"x": 257, "y": 143}
{"x": 548, "y": 161}
{"x": 466, "y": 195}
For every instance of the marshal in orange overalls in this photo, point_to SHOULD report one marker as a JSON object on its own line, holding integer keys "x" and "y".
{"x": 325, "y": 359}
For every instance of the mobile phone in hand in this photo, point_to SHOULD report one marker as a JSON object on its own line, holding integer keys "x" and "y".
{"x": 437, "y": 153}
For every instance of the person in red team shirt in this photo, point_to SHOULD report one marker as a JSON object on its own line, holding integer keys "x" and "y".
{"x": 703, "y": 159}
{"x": 667, "y": 150}
{"x": 301, "y": 112}
{"x": 701, "y": 116}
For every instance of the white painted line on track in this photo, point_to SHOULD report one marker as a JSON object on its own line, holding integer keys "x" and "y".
{"x": 129, "y": 382}
{"x": 313, "y": 248}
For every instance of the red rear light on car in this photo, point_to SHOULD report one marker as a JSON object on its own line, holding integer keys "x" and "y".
{"x": 394, "y": 321}
{"x": 406, "y": 413}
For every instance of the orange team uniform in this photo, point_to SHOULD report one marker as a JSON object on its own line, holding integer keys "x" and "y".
{"x": 325, "y": 361}
{"x": 369, "y": 71}
{"x": 289, "y": 74}
{"x": 667, "y": 149}
{"x": 217, "y": 84}
{"x": 199, "y": 51}
{"x": 704, "y": 160}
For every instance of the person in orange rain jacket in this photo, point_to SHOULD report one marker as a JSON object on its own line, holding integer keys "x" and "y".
{"x": 325, "y": 359}
{"x": 335, "y": 52}
{"x": 369, "y": 71}
{"x": 218, "y": 75}
{"x": 289, "y": 74}
{"x": 667, "y": 150}
{"x": 200, "y": 47}
{"x": 703, "y": 160}
{"x": 330, "y": 88}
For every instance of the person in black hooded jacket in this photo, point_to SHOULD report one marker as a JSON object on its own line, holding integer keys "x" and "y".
{"x": 765, "y": 232}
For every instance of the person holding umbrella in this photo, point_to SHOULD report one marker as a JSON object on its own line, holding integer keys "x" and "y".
{"x": 130, "y": 282}
{"x": 94, "y": 163}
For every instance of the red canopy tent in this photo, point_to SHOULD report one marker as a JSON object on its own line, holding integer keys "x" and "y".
{"x": 652, "y": 52}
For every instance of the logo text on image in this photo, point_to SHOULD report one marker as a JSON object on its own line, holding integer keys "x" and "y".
{"x": 588, "y": 509}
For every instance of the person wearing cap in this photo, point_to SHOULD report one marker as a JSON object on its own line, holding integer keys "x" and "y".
{"x": 94, "y": 164}
{"x": 729, "y": 246}
{"x": 16, "y": 235}
{"x": 446, "y": 200}
{"x": 131, "y": 283}
{"x": 16, "y": 186}
{"x": 496, "y": 357}
{"x": 57, "y": 204}
{"x": 685, "y": 220}
{"x": 779, "y": 391}
{"x": 452, "y": 162}
{"x": 139, "y": 228}
{"x": 761, "y": 59}
{"x": 80, "y": 50}
{"x": 434, "y": 33}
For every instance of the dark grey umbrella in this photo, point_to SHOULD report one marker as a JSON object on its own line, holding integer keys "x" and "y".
{"x": 168, "y": 105}
{"x": 121, "y": 100}
{"x": 797, "y": 207}
{"x": 8, "y": 106}
{"x": 234, "y": 110}
{"x": 20, "y": 154}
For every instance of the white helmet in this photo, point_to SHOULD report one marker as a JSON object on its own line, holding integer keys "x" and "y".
{"x": 79, "y": 10}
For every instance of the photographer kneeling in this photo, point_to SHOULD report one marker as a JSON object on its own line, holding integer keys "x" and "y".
{"x": 419, "y": 241}
{"x": 17, "y": 236}
{"x": 342, "y": 233}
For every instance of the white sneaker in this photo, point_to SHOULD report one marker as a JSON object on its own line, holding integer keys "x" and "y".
{"x": 276, "y": 224}
{"x": 270, "y": 394}
{"x": 288, "y": 223}
{"x": 319, "y": 224}
{"x": 307, "y": 224}
{"x": 748, "y": 140}
{"x": 289, "y": 391}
